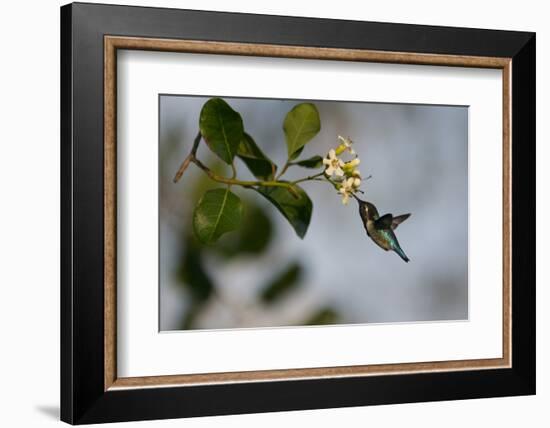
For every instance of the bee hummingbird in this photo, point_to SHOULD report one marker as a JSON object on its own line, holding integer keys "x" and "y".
{"x": 380, "y": 229}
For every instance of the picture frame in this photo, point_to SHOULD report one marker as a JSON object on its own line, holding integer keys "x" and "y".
{"x": 91, "y": 390}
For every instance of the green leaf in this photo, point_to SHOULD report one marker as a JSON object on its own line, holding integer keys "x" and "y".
{"x": 295, "y": 205}
{"x": 313, "y": 162}
{"x": 258, "y": 163}
{"x": 296, "y": 154}
{"x": 301, "y": 124}
{"x": 283, "y": 283}
{"x": 219, "y": 211}
{"x": 222, "y": 128}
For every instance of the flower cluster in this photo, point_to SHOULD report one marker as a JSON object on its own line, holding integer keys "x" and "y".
{"x": 343, "y": 174}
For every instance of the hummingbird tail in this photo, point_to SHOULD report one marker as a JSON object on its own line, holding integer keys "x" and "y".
{"x": 401, "y": 253}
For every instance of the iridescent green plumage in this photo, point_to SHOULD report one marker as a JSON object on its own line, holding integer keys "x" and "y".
{"x": 381, "y": 229}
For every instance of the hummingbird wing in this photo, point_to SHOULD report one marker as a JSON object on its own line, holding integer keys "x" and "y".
{"x": 398, "y": 220}
{"x": 384, "y": 222}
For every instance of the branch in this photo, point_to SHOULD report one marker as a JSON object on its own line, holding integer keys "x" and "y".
{"x": 189, "y": 158}
{"x": 227, "y": 180}
{"x": 192, "y": 158}
{"x": 283, "y": 170}
{"x": 309, "y": 178}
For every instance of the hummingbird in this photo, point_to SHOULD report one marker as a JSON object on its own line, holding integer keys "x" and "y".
{"x": 380, "y": 229}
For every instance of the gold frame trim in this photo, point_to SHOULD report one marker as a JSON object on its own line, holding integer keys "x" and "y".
{"x": 112, "y": 43}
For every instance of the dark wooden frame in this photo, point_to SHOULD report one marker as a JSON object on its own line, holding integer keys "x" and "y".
{"x": 89, "y": 33}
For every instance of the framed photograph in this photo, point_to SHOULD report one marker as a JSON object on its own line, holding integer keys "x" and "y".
{"x": 266, "y": 213}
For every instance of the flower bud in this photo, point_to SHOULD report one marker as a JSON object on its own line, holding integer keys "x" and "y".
{"x": 340, "y": 149}
{"x": 345, "y": 144}
{"x": 354, "y": 162}
{"x": 349, "y": 167}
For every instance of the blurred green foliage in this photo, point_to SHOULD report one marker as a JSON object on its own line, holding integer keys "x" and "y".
{"x": 323, "y": 316}
{"x": 219, "y": 212}
{"x": 192, "y": 272}
{"x": 252, "y": 238}
{"x": 282, "y": 284}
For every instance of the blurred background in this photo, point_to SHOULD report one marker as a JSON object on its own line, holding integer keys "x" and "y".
{"x": 264, "y": 275}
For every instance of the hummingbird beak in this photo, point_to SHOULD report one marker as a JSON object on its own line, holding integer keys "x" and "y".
{"x": 359, "y": 201}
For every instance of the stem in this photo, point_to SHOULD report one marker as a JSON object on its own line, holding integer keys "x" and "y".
{"x": 189, "y": 158}
{"x": 192, "y": 158}
{"x": 244, "y": 183}
{"x": 283, "y": 170}
{"x": 335, "y": 185}
{"x": 311, "y": 177}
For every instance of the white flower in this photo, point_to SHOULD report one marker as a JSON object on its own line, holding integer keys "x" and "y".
{"x": 344, "y": 175}
{"x": 334, "y": 164}
{"x": 347, "y": 188}
{"x": 345, "y": 144}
